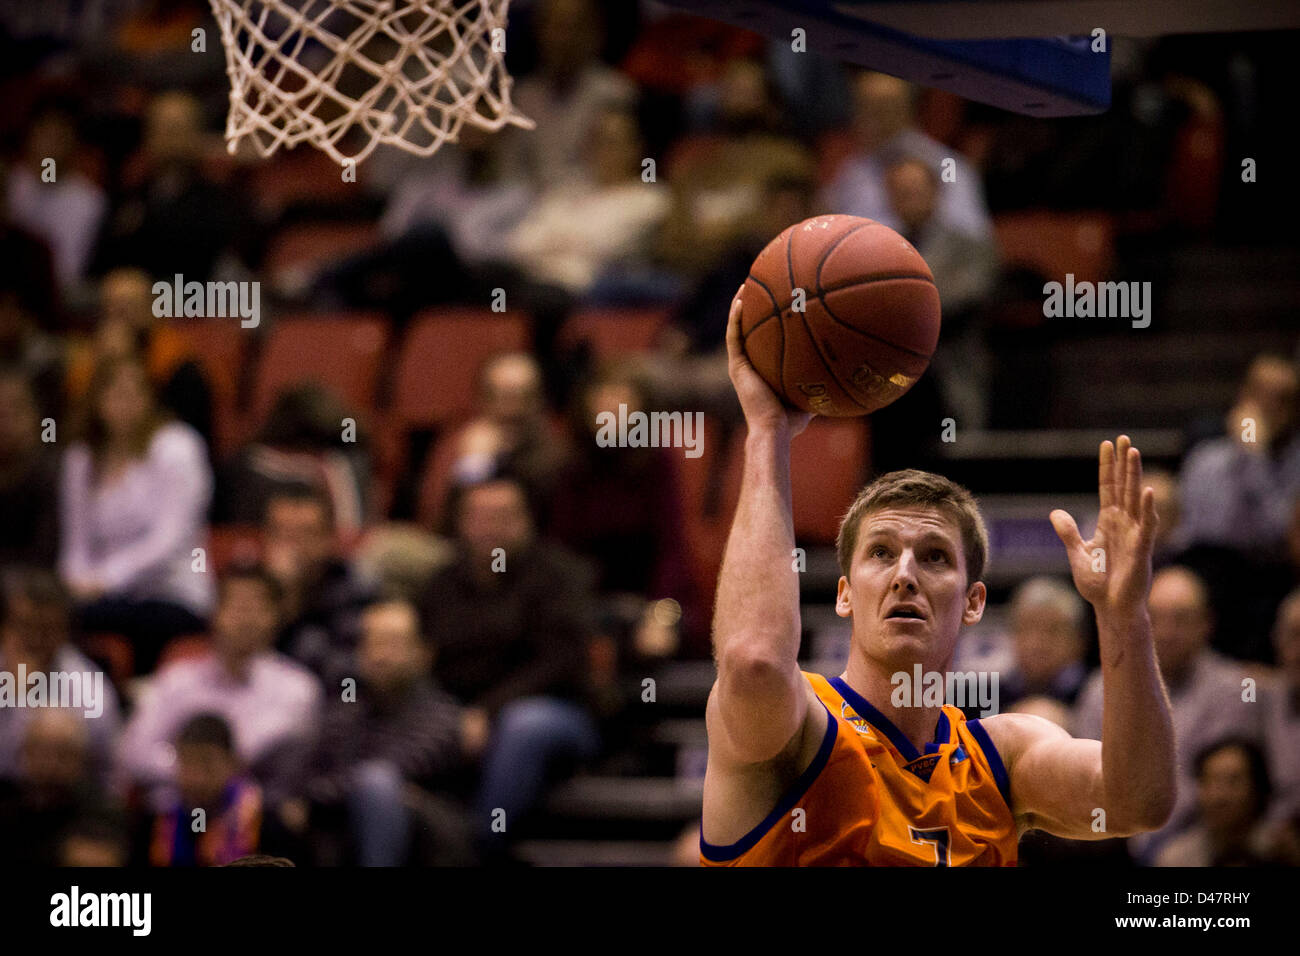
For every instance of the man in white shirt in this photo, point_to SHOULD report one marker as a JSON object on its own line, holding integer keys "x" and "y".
{"x": 884, "y": 125}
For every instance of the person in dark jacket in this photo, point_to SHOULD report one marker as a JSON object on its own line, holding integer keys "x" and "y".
{"x": 511, "y": 619}
{"x": 390, "y": 731}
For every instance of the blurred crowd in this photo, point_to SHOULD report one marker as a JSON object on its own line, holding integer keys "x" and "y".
{"x": 353, "y": 678}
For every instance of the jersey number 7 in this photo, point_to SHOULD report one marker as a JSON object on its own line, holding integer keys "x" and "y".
{"x": 938, "y": 838}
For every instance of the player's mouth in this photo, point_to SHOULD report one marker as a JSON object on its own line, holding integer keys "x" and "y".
{"x": 905, "y": 612}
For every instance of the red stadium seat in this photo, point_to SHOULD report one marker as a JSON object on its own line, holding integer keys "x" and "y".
{"x": 296, "y": 176}
{"x": 219, "y": 346}
{"x": 1192, "y": 180}
{"x": 440, "y": 358}
{"x": 613, "y": 332}
{"x": 186, "y": 647}
{"x": 341, "y": 352}
{"x": 297, "y": 253}
{"x": 233, "y": 544}
{"x": 828, "y": 464}
{"x": 710, "y": 488}
{"x": 114, "y": 653}
{"x": 1057, "y": 243}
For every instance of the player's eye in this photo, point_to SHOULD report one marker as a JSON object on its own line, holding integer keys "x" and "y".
{"x": 879, "y": 551}
{"x": 937, "y": 555}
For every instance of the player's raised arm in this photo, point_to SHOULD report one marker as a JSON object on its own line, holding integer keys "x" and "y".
{"x": 1058, "y": 783}
{"x": 760, "y": 699}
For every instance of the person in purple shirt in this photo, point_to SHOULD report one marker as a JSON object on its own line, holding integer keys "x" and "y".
{"x": 133, "y": 508}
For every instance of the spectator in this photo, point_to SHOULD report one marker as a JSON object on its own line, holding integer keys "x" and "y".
{"x": 581, "y": 230}
{"x": 28, "y": 304}
{"x": 297, "y": 447}
{"x": 965, "y": 267}
{"x": 444, "y": 230}
{"x": 463, "y": 192}
{"x": 510, "y": 619}
{"x": 1237, "y": 491}
{"x": 54, "y": 789}
{"x": 719, "y": 179}
{"x": 29, "y": 477}
{"x": 98, "y": 840}
{"x": 133, "y": 507}
{"x": 128, "y": 328}
{"x": 785, "y": 198}
{"x": 209, "y": 777}
{"x": 322, "y": 594}
{"x": 511, "y": 431}
{"x": 565, "y": 96}
{"x": 50, "y": 196}
{"x": 1282, "y": 710}
{"x": 1171, "y": 533}
{"x": 176, "y": 221}
{"x": 621, "y": 508}
{"x": 399, "y": 730}
{"x": 271, "y": 703}
{"x": 884, "y": 126}
{"x": 1048, "y": 633}
{"x": 1232, "y": 797}
{"x": 34, "y": 635}
{"x": 1205, "y": 690}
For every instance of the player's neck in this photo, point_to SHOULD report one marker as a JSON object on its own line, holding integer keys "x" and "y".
{"x": 875, "y": 682}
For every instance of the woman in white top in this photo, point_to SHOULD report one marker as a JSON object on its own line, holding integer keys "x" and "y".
{"x": 133, "y": 509}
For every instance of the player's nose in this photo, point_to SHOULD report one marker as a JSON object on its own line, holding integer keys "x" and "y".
{"x": 905, "y": 572}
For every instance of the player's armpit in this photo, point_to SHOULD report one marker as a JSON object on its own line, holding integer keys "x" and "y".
{"x": 1056, "y": 780}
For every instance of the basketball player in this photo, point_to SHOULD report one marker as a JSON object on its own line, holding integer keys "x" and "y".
{"x": 805, "y": 771}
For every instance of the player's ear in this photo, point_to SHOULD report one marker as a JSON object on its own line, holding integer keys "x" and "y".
{"x": 843, "y": 598}
{"x": 976, "y": 595}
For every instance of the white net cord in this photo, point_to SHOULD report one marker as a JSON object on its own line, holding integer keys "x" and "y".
{"x": 351, "y": 74}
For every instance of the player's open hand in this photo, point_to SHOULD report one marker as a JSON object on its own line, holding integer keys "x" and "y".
{"x": 1113, "y": 570}
{"x": 763, "y": 408}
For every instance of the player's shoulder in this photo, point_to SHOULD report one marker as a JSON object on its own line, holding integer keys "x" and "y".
{"x": 1012, "y": 733}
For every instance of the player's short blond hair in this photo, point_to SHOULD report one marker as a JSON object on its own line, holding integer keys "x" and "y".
{"x": 914, "y": 488}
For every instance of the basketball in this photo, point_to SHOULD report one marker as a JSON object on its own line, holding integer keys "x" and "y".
{"x": 840, "y": 315}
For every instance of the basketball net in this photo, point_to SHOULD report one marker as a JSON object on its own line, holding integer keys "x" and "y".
{"x": 405, "y": 72}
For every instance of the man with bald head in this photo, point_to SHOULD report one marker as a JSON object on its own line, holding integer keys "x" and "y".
{"x": 1048, "y": 635}
{"x": 1206, "y": 693}
{"x": 884, "y": 129}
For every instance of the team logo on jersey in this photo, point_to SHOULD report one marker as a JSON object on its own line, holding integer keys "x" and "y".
{"x": 923, "y": 767}
{"x": 857, "y": 723}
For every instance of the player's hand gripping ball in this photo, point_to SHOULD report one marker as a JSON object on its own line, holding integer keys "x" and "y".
{"x": 840, "y": 315}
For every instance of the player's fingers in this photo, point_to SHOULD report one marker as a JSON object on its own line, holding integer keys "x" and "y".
{"x": 735, "y": 347}
{"x": 1106, "y": 475}
{"x": 1066, "y": 529}
{"x": 1150, "y": 521}
{"x": 1122, "y": 444}
{"x": 1133, "y": 484}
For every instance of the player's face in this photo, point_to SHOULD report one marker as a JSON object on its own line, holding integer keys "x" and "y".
{"x": 906, "y": 591}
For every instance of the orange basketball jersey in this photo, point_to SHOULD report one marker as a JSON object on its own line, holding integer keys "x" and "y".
{"x": 870, "y": 799}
